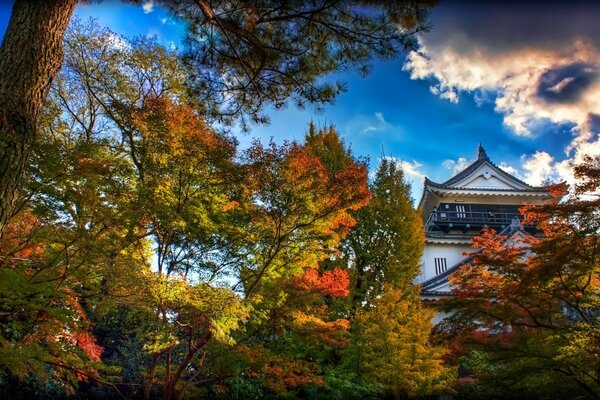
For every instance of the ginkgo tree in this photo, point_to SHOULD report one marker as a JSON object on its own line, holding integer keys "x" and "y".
{"x": 390, "y": 342}
{"x": 394, "y": 346}
{"x": 386, "y": 245}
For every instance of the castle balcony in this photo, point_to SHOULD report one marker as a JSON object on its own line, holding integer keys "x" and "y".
{"x": 467, "y": 220}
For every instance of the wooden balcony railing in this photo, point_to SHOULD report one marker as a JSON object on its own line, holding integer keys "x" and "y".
{"x": 475, "y": 219}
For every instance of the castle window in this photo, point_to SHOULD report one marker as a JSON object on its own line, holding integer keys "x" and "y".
{"x": 440, "y": 265}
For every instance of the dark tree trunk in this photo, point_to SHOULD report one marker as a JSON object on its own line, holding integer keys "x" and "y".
{"x": 30, "y": 57}
{"x": 151, "y": 374}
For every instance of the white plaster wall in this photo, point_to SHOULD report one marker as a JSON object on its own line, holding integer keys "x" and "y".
{"x": 452, "y": 253}
{"x": 492, "y": 182}
{"x": 439, "y": 317}
{"x": 488, "y": 177}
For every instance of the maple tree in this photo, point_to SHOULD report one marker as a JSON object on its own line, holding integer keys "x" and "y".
{"x": 303, "y": 206}
{"x": 45, "y": 329}
{"x": 182, "y": 167}
{"x": 168, "y": 263}
{"x": 292, "y": 336}
{"x": 65, "y": 247}
{"x": 112, "y": 170}
{"x": 300, "y": 210}
{"x": 526, "y": 309}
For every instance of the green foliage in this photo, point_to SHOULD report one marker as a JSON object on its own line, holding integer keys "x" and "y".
{"x": 300, "y": 211}
{"x": 394, "y": 348}
{"x": 245, "y": 56}
{"x": 151, "y": 257}
{"x": 341, "y": 384}
{"x": 389, "y": 344}
{"x": 386, "y": 245}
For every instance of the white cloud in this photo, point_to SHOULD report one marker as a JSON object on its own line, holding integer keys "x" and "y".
{"x": 413, "y": 174}
{"x": 412, "y": 168}
{"x": 370, "y": 128}
{"x": 456, "y": 165}
{"x": 167, "y": 21}
{"x": 560, "y": 86}
{"x": 380, "y": 124}
{"x": 515, "y": 76}
{"x": 509, "y": 169}
{"x": 148, "y": 6}
{"x": 538, "y": 168}
{"x": 117, "y": 42}
{"x": 527, "y": 85}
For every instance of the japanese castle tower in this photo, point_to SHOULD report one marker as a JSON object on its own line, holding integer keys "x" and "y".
{"x": 482, "y": 195}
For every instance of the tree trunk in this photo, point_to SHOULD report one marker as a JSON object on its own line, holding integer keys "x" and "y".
{"x": 30, "y": 57}
{"x": 150, "y": 378}
{"x": 192, "y": 351}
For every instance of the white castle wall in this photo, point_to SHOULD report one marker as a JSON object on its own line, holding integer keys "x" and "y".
{"x": 453, "y": 253}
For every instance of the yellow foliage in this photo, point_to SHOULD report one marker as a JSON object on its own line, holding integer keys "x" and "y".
{"x": 394, "y": 346}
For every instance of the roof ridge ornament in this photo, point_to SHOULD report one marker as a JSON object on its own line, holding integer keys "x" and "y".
{"x": 481, "y": 154}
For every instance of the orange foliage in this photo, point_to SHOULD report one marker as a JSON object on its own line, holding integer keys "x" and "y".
{"x": 490, "y": 273}
{"x": 87, "y": 343}
{"x": 332, "y": 333}
{"x": 16, "y": 244}
{"x": 557, "y": 190}
{"x": 331, "y": 283}
{"x": 280, "y": 374}
{"x": 178, "y": 130}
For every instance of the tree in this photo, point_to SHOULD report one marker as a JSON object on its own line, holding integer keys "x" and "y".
{"x": 292, "y": 336}
{"x": 301, "y": 211}
{"x": 46, "y": 332}
{"x": 387, "y": 242}
{"x": 530, "y": 305}
{"x": 30, "y": 57}
{"x": 293, "y": 216}
{"x": 390, "y": 327}
{"x": 250, "y": 54}
{"x": 393, "y": 345}
{"x": 131, "y": 176}
{"x": 111, "y": 169}
{"x": 67, "y": 245}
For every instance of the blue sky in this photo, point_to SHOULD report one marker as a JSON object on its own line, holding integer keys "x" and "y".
{"x": 490, "y": 74}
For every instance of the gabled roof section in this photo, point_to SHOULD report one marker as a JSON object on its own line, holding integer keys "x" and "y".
{"x": 458, "y": 180}
{"x": 481, "y": 178}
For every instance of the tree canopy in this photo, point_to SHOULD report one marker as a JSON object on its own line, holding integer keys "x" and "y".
{"x": 240, "y": 57}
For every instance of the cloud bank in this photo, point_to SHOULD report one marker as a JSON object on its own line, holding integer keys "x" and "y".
{"x": 537, "y": 64}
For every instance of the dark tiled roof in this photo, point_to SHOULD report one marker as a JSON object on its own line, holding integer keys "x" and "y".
{"x": 431, "y": 183}
{"x": 435, "y": 293}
